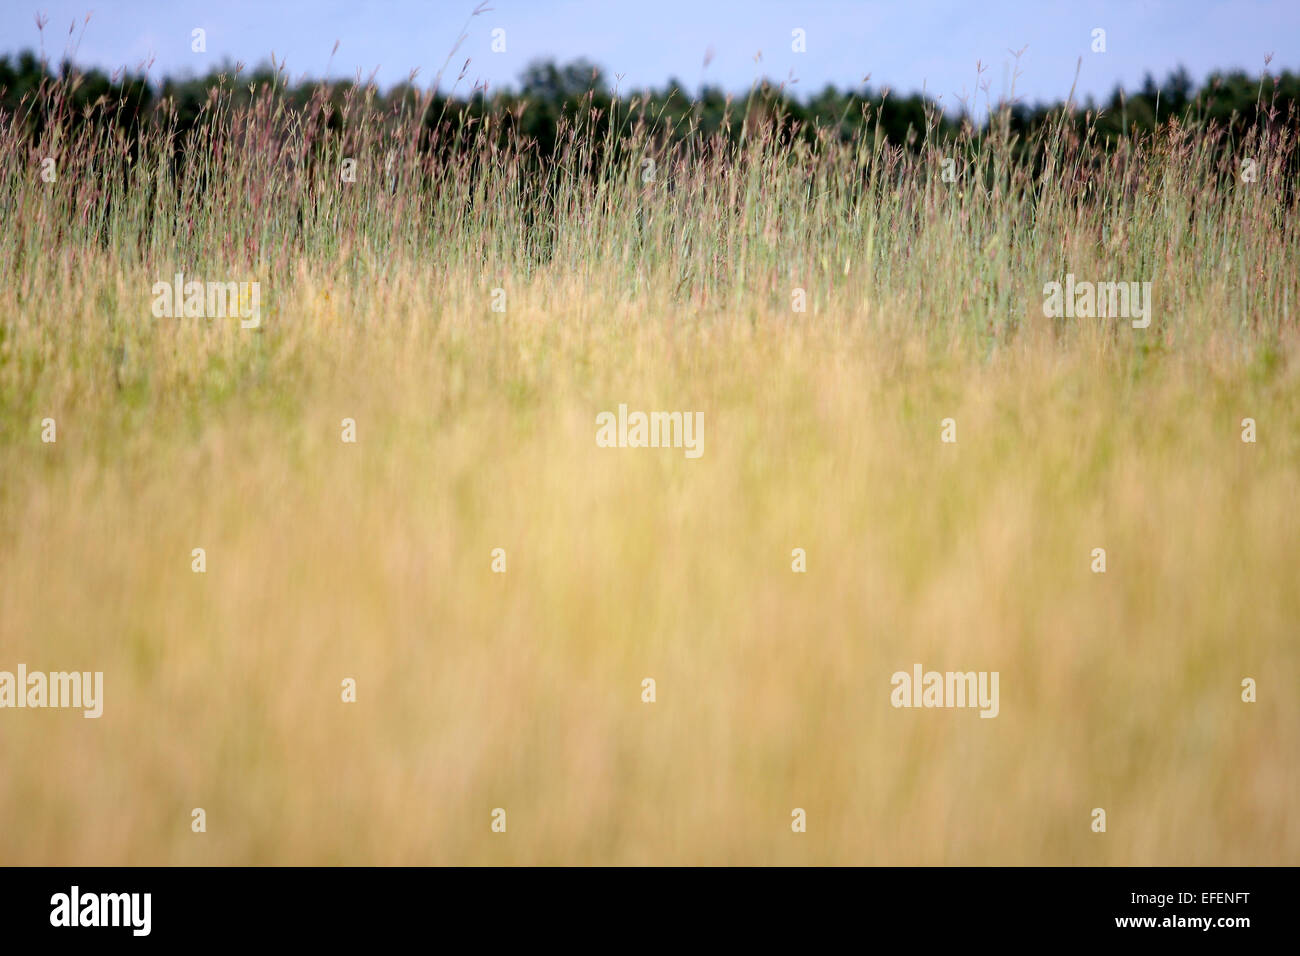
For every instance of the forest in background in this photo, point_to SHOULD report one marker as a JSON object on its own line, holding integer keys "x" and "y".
{"x": 549, "y": 95}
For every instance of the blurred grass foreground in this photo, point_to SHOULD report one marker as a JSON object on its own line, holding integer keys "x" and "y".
{"x": 359, "y": 574}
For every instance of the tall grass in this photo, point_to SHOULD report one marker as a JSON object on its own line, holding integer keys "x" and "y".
{"x": 476, "y": 430}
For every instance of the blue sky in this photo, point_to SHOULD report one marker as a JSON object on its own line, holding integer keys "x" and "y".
{"x": 905, "y": 45}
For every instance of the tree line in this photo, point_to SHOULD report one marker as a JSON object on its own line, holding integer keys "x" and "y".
{"x": 551, "y": 98}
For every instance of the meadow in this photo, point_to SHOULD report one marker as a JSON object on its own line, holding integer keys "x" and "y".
{"x": 473, "y": 311}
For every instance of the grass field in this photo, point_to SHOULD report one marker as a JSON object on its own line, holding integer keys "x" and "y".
{"x": 373, "y": 560}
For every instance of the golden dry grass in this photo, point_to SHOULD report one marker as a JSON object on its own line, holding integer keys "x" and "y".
{"x": 522, "y": 690}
